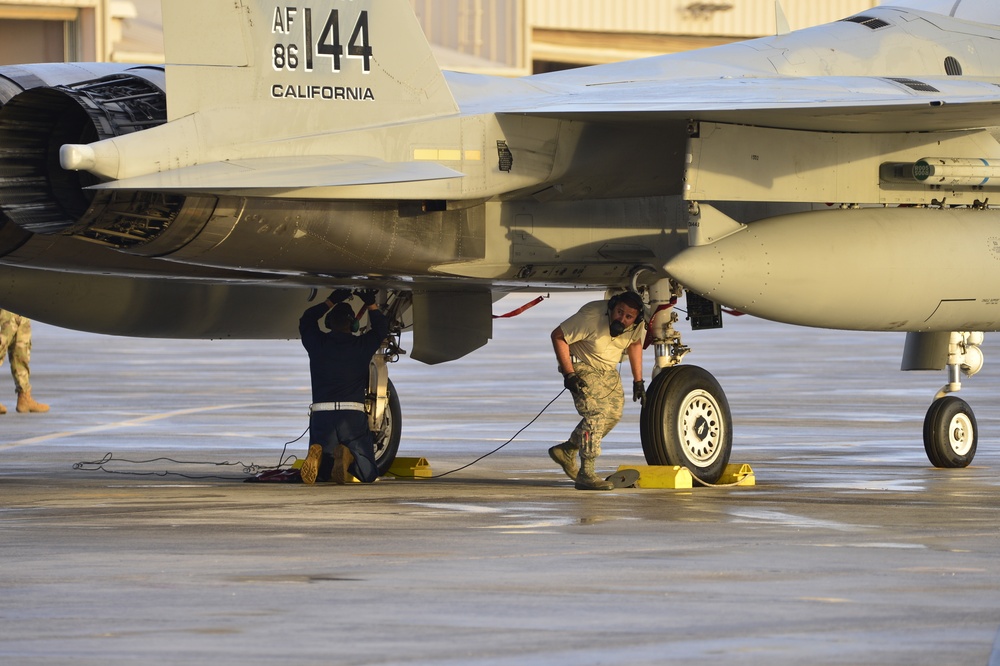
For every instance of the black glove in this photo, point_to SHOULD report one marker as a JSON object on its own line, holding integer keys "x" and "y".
{"x": 573, "y": 382}
{"x": 368, "y": 296}
{"x": 339, "y": 295}
{"x": 639, "y": 392}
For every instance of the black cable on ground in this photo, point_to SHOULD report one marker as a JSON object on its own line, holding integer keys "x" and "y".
{"x": 248, "y": 468}
{"x": 254, "y": 469}
{"x": 487, "y": 455}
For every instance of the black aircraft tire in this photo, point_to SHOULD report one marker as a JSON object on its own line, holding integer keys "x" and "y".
{"x": 686, "y": 421}
{"x": 951, "y": 433}
{"x": 387, "y": 440}
{"x": 650, "y": 433}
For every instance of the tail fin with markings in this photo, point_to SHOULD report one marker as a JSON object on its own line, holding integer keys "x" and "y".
{"x": 251, "y": 83}
{"x": 321, "y": 65}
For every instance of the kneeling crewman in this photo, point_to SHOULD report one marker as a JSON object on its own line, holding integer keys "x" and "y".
{"x": 338, "y": 365}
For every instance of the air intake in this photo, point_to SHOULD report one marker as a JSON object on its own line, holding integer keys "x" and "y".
{"x": 913, "y": 84}
{"x": 867, "y": 21}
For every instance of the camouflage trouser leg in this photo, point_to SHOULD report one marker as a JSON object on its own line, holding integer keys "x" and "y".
{"x": 15, "y": 343}
{"x": 600, "y": 404}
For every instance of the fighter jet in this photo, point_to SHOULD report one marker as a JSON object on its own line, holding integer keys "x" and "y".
{"x": 838, "y": 176}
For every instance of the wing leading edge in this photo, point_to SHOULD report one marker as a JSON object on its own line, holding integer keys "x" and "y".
{"x": 847, "y": 104}
{"x": 889, "y": 69}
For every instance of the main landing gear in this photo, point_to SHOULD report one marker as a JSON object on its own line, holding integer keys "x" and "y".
{"x": 950, "y": 429}
{"x": 385, "y": 417}
{"x": 685, "y": 420}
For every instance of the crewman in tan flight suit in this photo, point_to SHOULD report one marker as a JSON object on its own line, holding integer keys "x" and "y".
{"x": 589, "y": 346}
{"x": 15, "y": 342}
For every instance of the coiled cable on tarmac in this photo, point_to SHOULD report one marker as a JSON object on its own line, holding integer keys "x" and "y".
{"x": 247, "y": 468}
{"x": 487, "y": 455}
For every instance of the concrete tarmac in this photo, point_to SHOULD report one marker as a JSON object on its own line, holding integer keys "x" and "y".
{"x": 851, "y": 549}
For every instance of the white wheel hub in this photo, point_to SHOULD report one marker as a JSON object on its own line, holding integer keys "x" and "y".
{"x": 700, "y": 427}
{"x": 961, "y": 434}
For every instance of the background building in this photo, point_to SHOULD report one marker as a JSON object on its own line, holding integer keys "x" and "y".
{"x": 497, "y": 36}
{"x": 588, "y": 32}
{"x": 60, "y": 30}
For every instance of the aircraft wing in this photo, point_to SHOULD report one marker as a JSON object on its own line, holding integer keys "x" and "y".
{"x": 820, "y": 103}
{"x": 284, "y": 173}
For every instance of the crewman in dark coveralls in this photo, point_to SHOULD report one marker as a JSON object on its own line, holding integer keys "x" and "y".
{"x": 338, "y": 364}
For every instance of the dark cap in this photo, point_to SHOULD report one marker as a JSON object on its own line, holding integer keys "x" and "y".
{"x": 340, "y": 317}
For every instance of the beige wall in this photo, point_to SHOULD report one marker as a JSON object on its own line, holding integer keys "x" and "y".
{"x": 492, "y": 31}
{"x": 544, "y": 34}
{"x": 31, "y": 41}
{"x": 586, "y": 32}
{"x": 53, "y": 31}
{"x": 501, "y": 36}
{"x": 721, "y": 18}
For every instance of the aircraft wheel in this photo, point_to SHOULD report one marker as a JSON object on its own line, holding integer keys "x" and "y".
{"x": 387, "y": 437}
{"x": 686, "y": 421}
{"x": 950, "y": 433}
{"x": 650, "y": 429}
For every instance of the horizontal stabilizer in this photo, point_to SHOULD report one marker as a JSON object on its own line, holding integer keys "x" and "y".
{"x": 285, "y": 173}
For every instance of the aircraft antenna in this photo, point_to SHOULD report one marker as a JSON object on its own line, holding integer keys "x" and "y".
{"x": 780, "y": 20}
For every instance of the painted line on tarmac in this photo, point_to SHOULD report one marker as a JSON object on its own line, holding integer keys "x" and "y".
{"x": 134, "y": 422}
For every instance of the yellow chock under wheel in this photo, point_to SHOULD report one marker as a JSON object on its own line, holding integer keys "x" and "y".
{"x": 663, "y": 476}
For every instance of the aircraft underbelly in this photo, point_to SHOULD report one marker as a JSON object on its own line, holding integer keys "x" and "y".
{"x": 153, "y": 307}
{"x": 533, "y": 242}
{"x": 304, "y": 237}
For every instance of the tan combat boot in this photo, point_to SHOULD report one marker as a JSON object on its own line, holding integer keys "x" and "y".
{"x": 565, "y": 455}
{"x": 342, "y": 459}
{"x": 310, "y": 466}
{"x": 25, "y": 403}
{"x": 588, "y": 480}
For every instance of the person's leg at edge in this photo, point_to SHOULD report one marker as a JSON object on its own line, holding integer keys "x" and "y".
{"x": 353, "y": 433}
{"x": 597, "y": 406}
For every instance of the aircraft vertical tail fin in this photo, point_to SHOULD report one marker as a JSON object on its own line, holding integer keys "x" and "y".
{"x": 321, "y": 66}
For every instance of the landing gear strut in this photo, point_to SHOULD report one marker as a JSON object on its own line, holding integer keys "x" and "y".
{"x": 385, "y": 416}
{"x": 950, "y": 429}
{"x": 685, "y": 420}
